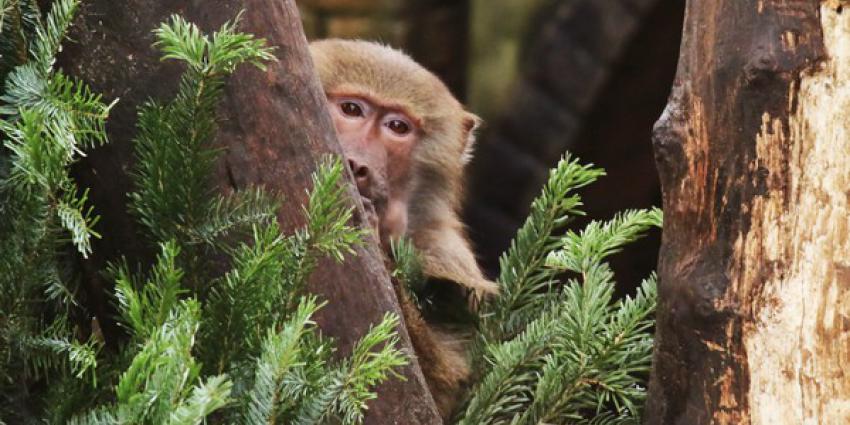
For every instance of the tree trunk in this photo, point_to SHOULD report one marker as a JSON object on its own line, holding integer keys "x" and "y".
{"x": 752, "y": 150}
{"x": 275, "y": 128}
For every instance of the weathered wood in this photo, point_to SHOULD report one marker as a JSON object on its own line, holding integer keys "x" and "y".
{"x": 275, "y": 128}
{"x": 752, "y": 153}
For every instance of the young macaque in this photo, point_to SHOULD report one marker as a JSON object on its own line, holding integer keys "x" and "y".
{"x": 407, "y": 140}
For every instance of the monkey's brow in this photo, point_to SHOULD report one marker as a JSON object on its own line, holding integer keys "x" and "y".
{"x": 390, "y": 105}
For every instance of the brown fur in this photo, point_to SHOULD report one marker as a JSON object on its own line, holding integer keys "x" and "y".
{"x": 375, "y": 71}
{"x": 441, "y": 355}
{"x": 391, "y": 78}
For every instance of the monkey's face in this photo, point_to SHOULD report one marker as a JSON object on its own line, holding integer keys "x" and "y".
{"x": 377, "y": 140}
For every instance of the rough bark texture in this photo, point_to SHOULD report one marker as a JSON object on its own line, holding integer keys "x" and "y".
{"x": 274, "y": 128}
{"x": 755, "y": 262}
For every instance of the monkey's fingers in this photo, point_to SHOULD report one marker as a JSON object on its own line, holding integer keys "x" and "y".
{"x": 481, "y": 291}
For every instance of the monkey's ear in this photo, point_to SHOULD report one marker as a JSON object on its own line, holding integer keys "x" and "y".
{"x": 471, "y": 122}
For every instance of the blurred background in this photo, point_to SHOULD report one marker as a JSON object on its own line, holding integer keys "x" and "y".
{"x": 548, "y": 76}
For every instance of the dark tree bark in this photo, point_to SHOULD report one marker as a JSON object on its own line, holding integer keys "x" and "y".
{"x": 754, "y": 273}
{"x": 275, "y": 128}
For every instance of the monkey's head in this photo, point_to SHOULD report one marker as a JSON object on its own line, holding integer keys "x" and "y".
{"x": 406, "y": 140}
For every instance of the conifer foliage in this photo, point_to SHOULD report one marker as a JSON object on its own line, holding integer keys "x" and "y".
{"x": 219, "y": 328}
{"x": 47, "y": 120}
{"x": 556, "y": 347}
{"x": 201, "y": 345}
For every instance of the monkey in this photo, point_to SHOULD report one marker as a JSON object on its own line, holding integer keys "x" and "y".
{"x": 406, "y": 140}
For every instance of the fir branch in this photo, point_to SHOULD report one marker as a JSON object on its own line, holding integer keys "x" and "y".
{"x": 163, "y": 371}
{"x": 82, "y": 357}
{"x": 53, "y": 348}
{"x": 70, "y": 103}
{"x": 581, "y": 251}
{"x": 56, "y": 288}
{"x": 280, "y": 353}
{"x": 6, "y": 7}
{"x": 408, "y": 269}
{"x": 524, "y": 283}
{"x": 597, "y": 363}
{"x": 206, "y": 398}
{"x": 49, "y": 36}
{"x": 47, "y": 124}
{"x": 51, "y": 119}
{"x": 328, "y": 231}
{"x": 181, "y": 40}
{"x": 221, "y": 54}
{"x": 78, "y": 220}
{"x": 580, "y": 358}
{"x": 513, "y": 372}
{"x": 233, "y": 214}
{"x": 248, "y": 299}
{"x": 583, "y": 358}
{"x": 146, "y": 309}
{"x": 36, "y": 159}
{"x": 174, "y": 164}
{"x": 345, "y": 391}
{"x": 101, "y": 416}
{"x": 20, "y": 18}
{"x": 170, "y": 176}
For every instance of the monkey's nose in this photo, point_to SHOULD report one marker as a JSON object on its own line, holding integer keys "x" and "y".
{"x": 361, "y": 176}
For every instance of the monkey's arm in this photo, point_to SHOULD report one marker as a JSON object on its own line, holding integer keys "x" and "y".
{"x": 445, "y": 254}
{"x": 442, "y": 355}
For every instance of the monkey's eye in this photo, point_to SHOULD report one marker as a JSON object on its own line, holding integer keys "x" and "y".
{"x": 351, "y": 109}
{"x": 398, "y": 127}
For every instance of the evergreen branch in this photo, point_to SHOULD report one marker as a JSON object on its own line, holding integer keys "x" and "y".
{"x": 580, "y": 358}
{"x": 78, "y": 220}
{"x": 408, "y": 269}
{"x": 280, "y": 353}
{"x": 49, "y": 36}
{"x": 172, "y": 175}
{"x": 6, "y": 7}
{"x": 145, "y": 310}
{"x": 328, "y": 215}
{"x": 235, "y": 213}
{"x": 35, "y": 159}
{"x": 206, "y": 398}
{"x": 162, "y": 371}
{"x": 229, "y": 48}
{"x": 54, "y": 348}
{"x": 100, "y": 416}
{"x": 221, "y": 54}
{"x": 597, "y": 241}
{"x": 567, "y": 371}
{"x": 610, "y": 418}
{"x": 69, "y": 103}
{"x": 56, "y": 289}
{"x": 51, "y": 119}
{"x": 19, "y": 21}
{"x": 600, "y": 357}
{"x": 366, "y": 368}
{"x": 182, "y": 40}
{"x": 513, "y": 372}
{"x": 82, "y": 357}
{"x": 524, "y": 283}
{"x": 345, "y": 391}
{"x": 248, "y": 299}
